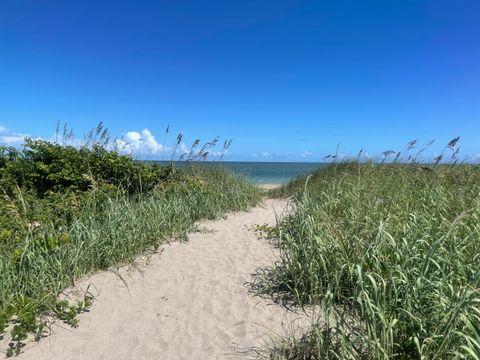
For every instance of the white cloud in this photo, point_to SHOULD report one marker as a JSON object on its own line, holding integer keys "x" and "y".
{"x": 132, "y": 136}
{"x": 183, "y": 149}
{"x": 476, "y": 158}
{"x": 140, "y": 143}
{"x": 266, "y": 154}
{"x": 10, "y": 138}
{"x": 306, "y": 154}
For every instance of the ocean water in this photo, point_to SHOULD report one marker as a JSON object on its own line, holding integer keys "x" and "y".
{"x": 272, "y": 172}
{"x": 266, "y": 172}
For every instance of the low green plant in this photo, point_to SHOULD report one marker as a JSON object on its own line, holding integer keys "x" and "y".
{"x": 265, "y": 231}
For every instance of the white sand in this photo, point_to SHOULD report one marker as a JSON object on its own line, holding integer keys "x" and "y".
{"x": 269, "y": 186}
{"x": 190, "y": 302}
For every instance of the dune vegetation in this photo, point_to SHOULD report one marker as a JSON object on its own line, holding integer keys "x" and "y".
{"x": 66, "y": 211}
{"x": 388, "y": 255}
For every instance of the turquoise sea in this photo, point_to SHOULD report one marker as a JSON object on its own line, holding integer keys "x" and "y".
{"x": 266, "y": 172}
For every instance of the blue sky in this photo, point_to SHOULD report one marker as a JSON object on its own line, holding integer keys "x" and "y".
{"x": 287, "y": 80}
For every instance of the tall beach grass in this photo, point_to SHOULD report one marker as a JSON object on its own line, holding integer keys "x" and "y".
{"x": 388, "y": 255}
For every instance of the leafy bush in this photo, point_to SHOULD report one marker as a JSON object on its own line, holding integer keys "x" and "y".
{"x": 44, "y": 167}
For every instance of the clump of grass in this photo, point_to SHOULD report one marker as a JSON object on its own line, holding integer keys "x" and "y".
{"x": 390, "y": 255}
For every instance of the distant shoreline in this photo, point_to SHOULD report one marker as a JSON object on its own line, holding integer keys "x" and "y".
{"x": 259, "y": 173}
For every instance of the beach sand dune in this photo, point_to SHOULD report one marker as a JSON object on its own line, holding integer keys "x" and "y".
{"x": 190, "y": 301}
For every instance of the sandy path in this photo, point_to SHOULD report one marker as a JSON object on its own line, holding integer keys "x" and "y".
{"x": 189, "y": 302}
